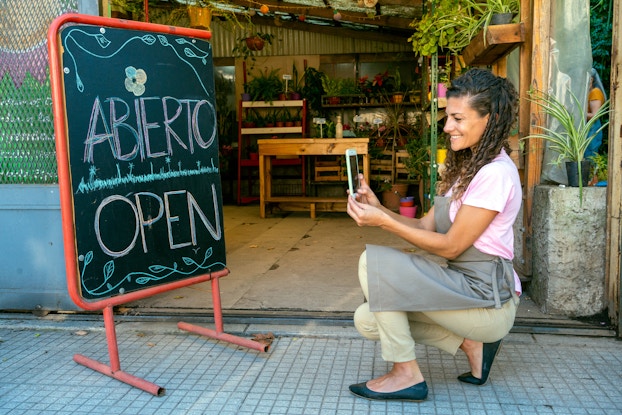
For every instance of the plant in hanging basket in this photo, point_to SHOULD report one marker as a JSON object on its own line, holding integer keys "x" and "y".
{"x": 247, "y": 45}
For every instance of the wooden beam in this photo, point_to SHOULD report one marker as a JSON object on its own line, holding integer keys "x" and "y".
{"x": 389, "y": 22}
{"x": 333, "y": 30}
{"x": 614, "y": 195}
{"x": 497, "y": 41}
{"x": 540, "y": 19}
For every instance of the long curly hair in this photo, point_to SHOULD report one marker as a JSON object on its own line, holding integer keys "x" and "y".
{"x": 486, "y": 94}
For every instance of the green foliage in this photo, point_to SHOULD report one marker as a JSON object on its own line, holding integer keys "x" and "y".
{"x": 573, "y": 136}
{"x": 600, "y": 33}
{"x": 601, "y": 162}
{"x": 312, "y": 89}
{"x": 265, "y": 85}
{"x": 331, "y": 87}
{"x": 448, "y": 25}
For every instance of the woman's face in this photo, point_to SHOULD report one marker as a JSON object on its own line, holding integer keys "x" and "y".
{"x": 464, "y": 125}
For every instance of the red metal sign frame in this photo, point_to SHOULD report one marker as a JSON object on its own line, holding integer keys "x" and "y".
{"x": 67, "y": 215}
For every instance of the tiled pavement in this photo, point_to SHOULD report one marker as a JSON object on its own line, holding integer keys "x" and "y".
{"x": 306, "y": 371}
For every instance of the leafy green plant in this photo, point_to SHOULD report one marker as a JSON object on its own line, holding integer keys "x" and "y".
{"x": 265, "y": 85}
{"x": 573, "y": 136}
{"x": 331, "y": 87}
{"x": 601, "y": 166}
{"x": 312, "y": 90}
{"x": 447, "y": 25}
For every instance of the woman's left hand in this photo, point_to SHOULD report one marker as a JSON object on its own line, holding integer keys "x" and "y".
{"x": 365, "y": 214}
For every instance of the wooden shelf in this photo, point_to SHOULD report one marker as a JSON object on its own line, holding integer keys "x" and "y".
{"x": 499, "y": 41}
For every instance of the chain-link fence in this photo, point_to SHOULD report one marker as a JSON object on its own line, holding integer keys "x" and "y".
{"x": 27, "y": 150}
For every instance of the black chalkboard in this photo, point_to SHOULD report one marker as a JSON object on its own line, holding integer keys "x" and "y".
{"x": 143, "y": 158}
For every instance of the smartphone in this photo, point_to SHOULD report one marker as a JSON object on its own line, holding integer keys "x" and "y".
{"x": 352, "y": 166}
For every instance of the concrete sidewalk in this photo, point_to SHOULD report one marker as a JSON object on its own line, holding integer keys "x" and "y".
{"x": 306, "y": 371}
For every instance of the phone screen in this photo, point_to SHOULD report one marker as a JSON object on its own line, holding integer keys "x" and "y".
{"x": 353, "y": 173}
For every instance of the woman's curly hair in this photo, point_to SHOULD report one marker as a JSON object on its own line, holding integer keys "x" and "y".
{"x": 486, "y": 94}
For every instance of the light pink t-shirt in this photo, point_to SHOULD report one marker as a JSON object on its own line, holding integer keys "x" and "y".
{"x": 495, "y": 187}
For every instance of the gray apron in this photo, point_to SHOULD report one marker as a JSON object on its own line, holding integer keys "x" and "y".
{"x": 404, "y": 281}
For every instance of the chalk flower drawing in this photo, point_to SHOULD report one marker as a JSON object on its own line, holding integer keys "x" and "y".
{"x": 135, "y": 80}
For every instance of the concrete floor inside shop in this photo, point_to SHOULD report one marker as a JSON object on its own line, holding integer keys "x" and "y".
{"x": 289, "y": 265}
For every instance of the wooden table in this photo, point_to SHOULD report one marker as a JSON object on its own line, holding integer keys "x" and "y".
{"x": 303, "y": 147}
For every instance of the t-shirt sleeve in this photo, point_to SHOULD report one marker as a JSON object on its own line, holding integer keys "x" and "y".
{"x": 491, "y": 188}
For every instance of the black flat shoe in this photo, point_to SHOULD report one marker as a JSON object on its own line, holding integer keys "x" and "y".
{"x": 489, "y": 352}
{"x": 415, "y": 393}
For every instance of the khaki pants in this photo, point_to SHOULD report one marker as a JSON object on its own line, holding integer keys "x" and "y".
{"x": 398, "y": 331}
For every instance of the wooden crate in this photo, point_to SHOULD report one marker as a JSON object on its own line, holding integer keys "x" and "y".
{"x": 401, "y": 171}
{"x": 328, "y": 171}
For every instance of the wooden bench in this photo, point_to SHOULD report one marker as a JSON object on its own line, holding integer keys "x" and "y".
{"x": 310, "y": 203}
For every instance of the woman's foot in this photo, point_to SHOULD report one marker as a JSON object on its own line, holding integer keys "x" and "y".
{"x": 404, "y": 382}
{"x": 480, "y": 356}
{"x": 402, "y": 375}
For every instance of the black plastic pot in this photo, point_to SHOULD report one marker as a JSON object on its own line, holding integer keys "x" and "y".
{"x": 572, "y": 171}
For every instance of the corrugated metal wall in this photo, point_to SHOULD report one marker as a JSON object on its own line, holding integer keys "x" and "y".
{"x": 298, "y": 42}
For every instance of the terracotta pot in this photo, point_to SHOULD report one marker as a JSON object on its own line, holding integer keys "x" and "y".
{"x": 391, "y": 198}
{"x": 334, "y": 100}
{"x": 254, "y": 43}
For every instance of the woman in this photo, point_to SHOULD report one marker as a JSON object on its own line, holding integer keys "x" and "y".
{"x": 595, "y": 99}
{"x": 471, "y": 303}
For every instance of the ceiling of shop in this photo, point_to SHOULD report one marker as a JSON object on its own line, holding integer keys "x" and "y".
{"x": 388, "y": 18}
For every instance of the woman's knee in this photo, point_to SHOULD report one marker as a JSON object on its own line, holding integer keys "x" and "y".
{"x": 363, "y": 274}
{"x": 365, "y": 322}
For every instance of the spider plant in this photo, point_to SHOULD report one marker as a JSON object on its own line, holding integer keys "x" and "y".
{"x": 571, "y": 136}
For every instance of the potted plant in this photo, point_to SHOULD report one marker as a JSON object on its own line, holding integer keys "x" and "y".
{"x": 312, "y": 90}
{"x": 265, "y": 85}
{"x": 495, "y": 11}
{"x": 247, "y": 51}
{"x": 448, "y": 25}
{"x": 570, "y": 135}
{"x": 295, "y": 86}
{"x": 332, "y": 89}
{"x": 398, "y": 94}
{"x": 250, "y": 43}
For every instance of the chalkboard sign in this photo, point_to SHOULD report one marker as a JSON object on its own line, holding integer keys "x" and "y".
{"x": 143, "y": 158}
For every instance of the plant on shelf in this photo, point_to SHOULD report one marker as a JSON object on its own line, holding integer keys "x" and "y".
{"x": 447, "y": 25}
{"x": 570, "y": 135}
{"x": 331, "y": 88}
{"x": 312, "y": 90}
{"x": 294, "y": 87}
{"x": 490, "y": 10}
{"x": 398, "y": 93}
{"x": 265, "y": 85}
